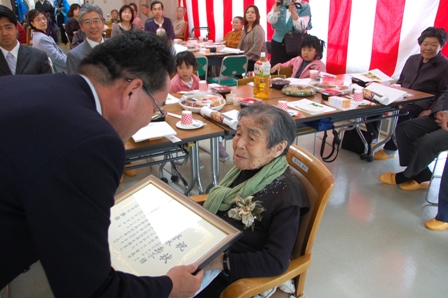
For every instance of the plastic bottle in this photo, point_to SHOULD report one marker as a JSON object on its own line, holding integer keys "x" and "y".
{"x": 262, "y": 77}
{"x": 108, "y": 21}
{"x": 160, "y": 31}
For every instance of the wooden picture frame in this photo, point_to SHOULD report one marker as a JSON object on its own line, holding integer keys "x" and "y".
{"x": 154, "y": 228}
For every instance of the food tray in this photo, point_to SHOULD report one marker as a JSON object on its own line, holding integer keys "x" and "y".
{"x": 298, "y": 90}
{"x": 319, "y": 87}
{"x": 194, "y": 101}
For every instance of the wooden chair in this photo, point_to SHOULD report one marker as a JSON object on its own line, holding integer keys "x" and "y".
{"x": 245, "y": 81}
{"x": 231, "y": 66}
{"x": 318, "y": 183}
{"x": 28, "y": 35}
{"x": 185, "y": 35}
{"x": 286, "y": 71}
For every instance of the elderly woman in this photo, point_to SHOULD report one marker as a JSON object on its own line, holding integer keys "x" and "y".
{"x": 126, "y": 16}
{"x": 253, "y": 37}
{"x": 283, "y": 19}
{"x": 232, "y": 38}
{"x": 425, "y": 72}
{"x": 42, "y": 41}
{"x": 261, "y": 176}
{"x": 311, "y": 51}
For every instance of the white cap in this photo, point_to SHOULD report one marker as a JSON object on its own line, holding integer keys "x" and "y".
{"x": 263, "y": 54}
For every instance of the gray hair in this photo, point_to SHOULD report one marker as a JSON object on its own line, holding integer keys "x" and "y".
{"x": 278, "y": 124}
{"x": 136, "y": 54}
{"x": 89, "y": 8}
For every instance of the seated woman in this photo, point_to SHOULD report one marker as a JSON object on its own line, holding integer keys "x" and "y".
{"x": 261, "y": 175}
{"x": 253, "y": 37}
{"x": 42, "y": 41}
{"x": 232, "y": 38}
{"x": 185, "y": 80}
{"x": 72, "y": 25}
{"x": 311, "y": 51}
{"x": 425, "y": 72}
{"x": 126, "y": 16}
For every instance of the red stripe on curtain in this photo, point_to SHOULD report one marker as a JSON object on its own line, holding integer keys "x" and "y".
{"x": 210, "y": 20}
{"x": 195, "y": 10}
{"x": 338, "y": 31}
{"x": 442, "y": 20}
{"x": 269, "y": 29}
{"x": 386, "y": 35}
{"x": 228, "y": 16}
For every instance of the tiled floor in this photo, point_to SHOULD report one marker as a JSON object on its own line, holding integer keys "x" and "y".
{"x": 372, "y": 241}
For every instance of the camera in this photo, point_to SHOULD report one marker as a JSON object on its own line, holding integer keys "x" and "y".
{"x": 286, "y": 3}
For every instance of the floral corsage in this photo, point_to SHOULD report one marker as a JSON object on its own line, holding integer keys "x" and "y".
{"x": 246, "y": 211}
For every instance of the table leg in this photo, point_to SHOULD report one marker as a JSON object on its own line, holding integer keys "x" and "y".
{"x": 389, "y": 135}
{"x": 195, "y": 174}
{"x": 214, "y": 153}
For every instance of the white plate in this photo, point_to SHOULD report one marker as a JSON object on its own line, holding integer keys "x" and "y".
{"x": 189, "y": 127}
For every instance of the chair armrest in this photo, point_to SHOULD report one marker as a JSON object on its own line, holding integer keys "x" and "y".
{"x": 200, "y": 199}
{"x": 248, "y": 287}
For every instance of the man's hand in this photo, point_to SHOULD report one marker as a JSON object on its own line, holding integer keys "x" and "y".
{"x": 276, "y": 6}
{"x": 442, "y": 120}
{"x": 185, "y": 284}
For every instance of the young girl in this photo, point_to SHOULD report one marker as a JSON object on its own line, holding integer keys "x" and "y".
{"x": 185, "y": 80}
{"x": 311, "y": 51}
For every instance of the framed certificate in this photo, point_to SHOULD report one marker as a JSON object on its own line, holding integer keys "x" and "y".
{"x": 154, "y": 228}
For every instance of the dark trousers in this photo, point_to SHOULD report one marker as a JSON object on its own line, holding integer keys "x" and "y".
{"x": 442, "y": 213}
{"x": 419, "y": 141}
{"x": 278, "y": 53}
{"x": 413, "y": 112}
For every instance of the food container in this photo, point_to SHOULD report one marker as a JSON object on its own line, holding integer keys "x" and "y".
{"x": 298, "y": 90}
{"x": 329, "y": 92}
{"x": 279, "y": 83}
{"x": 223, "y": 90}
{"x": 194, "y": 101}
{"x": 249, "y": 101}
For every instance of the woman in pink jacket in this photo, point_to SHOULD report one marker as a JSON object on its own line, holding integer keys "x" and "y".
{"x": 311, "y": 51}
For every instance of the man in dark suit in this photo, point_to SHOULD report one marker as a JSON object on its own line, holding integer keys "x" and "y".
{"x": 91, "y": 22}
{"x": 16, "y": 58}
{"x": 64, "y": 156}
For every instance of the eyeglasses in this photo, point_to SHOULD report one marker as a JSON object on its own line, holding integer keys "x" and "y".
{"x": 160, "y": 113}
{"x": 89, "y": 22}
{"x": 40, "y": 19}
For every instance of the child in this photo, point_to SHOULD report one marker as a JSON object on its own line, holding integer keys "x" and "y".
{"x": 311, "y": 50}
{"x": 185, "y": 80}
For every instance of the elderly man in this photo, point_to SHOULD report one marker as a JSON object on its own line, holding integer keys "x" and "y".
{"x": 16, "y": 58}
{"x": 91, "y": 22}
{"x": 179, "y": 24}
{"x": 68, "y": 136}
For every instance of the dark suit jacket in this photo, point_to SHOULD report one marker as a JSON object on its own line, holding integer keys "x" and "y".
{"x": 75, "y": 56}
{"x": 29, "y": 61}
{"x": 61, "y": 164}
{"x": 431, "y": 77}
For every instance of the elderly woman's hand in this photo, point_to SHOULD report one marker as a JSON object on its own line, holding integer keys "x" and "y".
{"x": 215, "y": 264}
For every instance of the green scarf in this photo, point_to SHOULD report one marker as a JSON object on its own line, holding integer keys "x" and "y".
{"x": 221, "y": 197}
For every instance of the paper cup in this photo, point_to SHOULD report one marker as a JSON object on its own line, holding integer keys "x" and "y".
{"x": 187, "y": 118}
{"x": 203, "y": 86}
{"x": 229, "y": 98}
{"x": 358, "y": 95}
{"x": 283, "y": 104}
{"x": 313, "y": 74}
{"x": 236, "y": 101}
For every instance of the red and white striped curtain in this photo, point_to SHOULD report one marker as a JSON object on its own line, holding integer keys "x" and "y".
{"x": 360, "y": 34}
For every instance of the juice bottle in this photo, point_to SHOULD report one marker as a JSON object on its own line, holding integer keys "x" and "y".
{"x": 262, "y": 77}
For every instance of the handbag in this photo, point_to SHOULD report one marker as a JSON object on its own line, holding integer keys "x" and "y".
{"x": 292, "y": 42}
